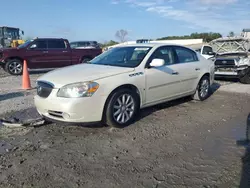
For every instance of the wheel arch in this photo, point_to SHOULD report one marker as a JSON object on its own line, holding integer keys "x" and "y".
{"x": 124, "y": 86}
{"x": 86, "y": 56}
{"x": 13, "y": 57}
{"x": 206, "y": 74}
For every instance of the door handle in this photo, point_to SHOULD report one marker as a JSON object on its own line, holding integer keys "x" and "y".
{"x": 65, "y": 51}
{"x": 197, "y": 69}
{"x": 45, "y": 51}
{"x": 175, "y": 73}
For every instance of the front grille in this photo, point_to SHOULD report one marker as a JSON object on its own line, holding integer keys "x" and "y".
{"x": 224, "y": 63}
{"x": 44, "y": 89}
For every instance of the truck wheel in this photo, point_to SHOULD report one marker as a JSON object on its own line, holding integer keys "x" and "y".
{"x": 14, "y": 67}
{"x": 203, "y": 89}
{"x": 122, "y": 108}
{"x": 246, "y": 78}
{"x": 85, "y": 60}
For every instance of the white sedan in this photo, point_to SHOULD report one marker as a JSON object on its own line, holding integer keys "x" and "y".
{"x": 115, "y": 85}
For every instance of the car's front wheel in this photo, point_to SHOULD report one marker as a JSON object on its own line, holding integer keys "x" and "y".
{"x": 14, "y": 67}
{"x": 203, "y": 89}
{"x": 121, "y": 108}
{"x": 246, "y": 78}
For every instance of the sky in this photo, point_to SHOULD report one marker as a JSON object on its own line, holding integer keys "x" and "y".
{"x": 100, "y": 19}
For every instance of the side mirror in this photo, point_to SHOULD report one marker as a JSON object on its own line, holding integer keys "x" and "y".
{"x": 157, "y": 63}
{"x": 33, "y": 46}
{"x": 22, "y": 32}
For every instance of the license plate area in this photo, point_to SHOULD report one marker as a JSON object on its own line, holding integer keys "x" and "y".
{"x": 226, "y": 70}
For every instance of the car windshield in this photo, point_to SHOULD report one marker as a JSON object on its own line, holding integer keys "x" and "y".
{"x": 122, "y": 56}
{"x": 73, "y": 44}
{"x": 24, "y": 45}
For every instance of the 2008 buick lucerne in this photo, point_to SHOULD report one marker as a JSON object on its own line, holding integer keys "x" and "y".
{"x": 115, "y": 85}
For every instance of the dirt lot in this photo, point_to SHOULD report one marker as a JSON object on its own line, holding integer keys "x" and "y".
{"x": 178, "y": 144}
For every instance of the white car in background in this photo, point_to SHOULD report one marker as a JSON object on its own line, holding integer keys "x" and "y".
{"x": 204, "y": 49}
{"x": 115, "y": 85}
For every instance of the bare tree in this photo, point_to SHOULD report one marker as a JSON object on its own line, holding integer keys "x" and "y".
{"x": 231, "y": 34}
{"x": 121, "y": 35}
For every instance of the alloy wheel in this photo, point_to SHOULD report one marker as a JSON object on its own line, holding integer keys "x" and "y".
{"x": 123, "y": 108}
{"x": 15, "y": 67}
{"x": 204, "y": 88}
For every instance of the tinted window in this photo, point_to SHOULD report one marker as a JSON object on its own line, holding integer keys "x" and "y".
{"x": 165, "y": 53}
{"x": 24, "y": 45}
{"x": 73, "y": 45}
{"x": 40, "y": 44}
{"x": 185, "y": 55}
{"x": 207, "y": 49}
{"x": 56, "y": 44}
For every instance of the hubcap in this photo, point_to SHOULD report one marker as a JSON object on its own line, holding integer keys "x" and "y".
{"x": 204, "y": 88}
{"x": 15, "y": 67}
{"x": 124, "y": 108}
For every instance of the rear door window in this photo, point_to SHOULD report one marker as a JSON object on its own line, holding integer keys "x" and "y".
{"x": 185, "y": 55}
{"x": 56, "y": 44}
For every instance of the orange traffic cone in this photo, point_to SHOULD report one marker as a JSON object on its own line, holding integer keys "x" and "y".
{"x": 26, "y": 78}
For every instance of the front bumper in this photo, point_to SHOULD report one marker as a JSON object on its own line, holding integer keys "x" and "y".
{"x": 232, "y": 71}
{"x": 1, "y": 63}
{"x": 75, "y": 110}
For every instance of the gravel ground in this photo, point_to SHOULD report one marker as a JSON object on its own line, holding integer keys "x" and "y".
{"x": 12, "y": 97}
{"x": 178, "y": 144}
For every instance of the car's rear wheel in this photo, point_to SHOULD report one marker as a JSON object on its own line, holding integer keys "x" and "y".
{"x": 122, "y": 108}
{"x": 14, "y": 67}
{"x": 203, "y": 89}
{"x": 85, "y": 60}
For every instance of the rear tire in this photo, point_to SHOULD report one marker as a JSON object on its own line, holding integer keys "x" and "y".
{"x": 122, "y": 108}
{"x": 14, "y": 67}
{"x": 203, "y": 89}
{"x": 85, "y": 60}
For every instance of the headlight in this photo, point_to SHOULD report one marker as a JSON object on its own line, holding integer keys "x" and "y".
{"x": 243, "y": 61}
{"x": 76, "y": 90}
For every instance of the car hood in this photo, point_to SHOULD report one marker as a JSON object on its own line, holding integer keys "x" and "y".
{"x": 8, "y": 49}
{"x": 81, "y": 73}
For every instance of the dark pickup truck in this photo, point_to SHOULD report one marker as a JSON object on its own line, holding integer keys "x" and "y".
{"x": 44, "y": 53}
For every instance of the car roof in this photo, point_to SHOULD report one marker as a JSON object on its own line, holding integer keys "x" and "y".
{"x": 83, "y": 41}
{"x": 48, "y": 38}
{"x": 151, "y": 45}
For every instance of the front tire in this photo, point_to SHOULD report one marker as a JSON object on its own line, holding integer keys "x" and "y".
{"x": 14, "y": 67}
{"x": 203, "y": 89}
{"x": 246, "y": 78}
{"x": 122, "y": 108}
